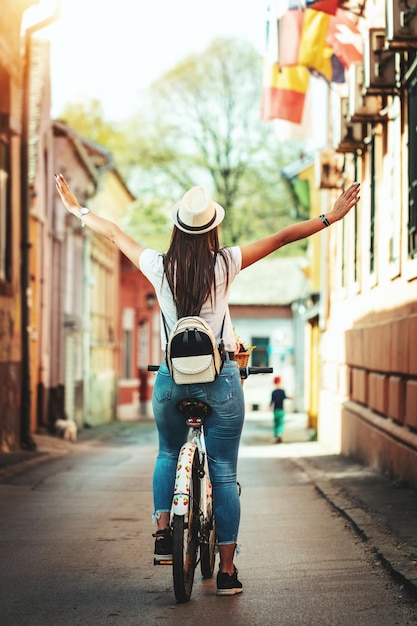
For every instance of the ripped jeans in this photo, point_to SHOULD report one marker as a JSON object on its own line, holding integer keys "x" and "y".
{"x": 222, "y": 431}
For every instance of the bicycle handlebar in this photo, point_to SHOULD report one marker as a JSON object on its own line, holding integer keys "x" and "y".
{"x": 244, "y": 371}
{"x": 258, "y": 370}
{"x": 247, "y": 371}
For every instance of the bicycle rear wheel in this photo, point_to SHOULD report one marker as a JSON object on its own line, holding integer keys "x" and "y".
{"x": 185, "y": 537}
{"x": 208, "y": 549}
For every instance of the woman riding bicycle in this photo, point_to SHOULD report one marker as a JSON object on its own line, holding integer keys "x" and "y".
{"x": 194, "y": 277}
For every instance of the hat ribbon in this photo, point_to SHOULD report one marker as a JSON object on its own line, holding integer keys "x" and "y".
{"x": 196, "y": 228}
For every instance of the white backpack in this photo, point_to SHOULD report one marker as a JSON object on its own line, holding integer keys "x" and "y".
{"x": 192, "y": 354}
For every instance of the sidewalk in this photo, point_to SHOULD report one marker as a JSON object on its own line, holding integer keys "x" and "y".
{"x": 383, "y": 512}
{"x": 47, "y": 448}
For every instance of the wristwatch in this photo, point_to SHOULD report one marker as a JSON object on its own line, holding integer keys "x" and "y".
{"x": 83, "y": 211}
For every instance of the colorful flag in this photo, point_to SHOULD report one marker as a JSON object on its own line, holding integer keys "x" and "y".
{"x": 327, "y": 6}
{"x": 325, "y": 44}
{"x": 345, "y": 39}
{"x": 302, "y": 41}
{"x": 290, "y": 131}
{"x": 284, "y": 89}
{"x": 284, "y": 92}
{"x": 314, "y": 52}
{"x": 338, "y": 70}
{"x": 290, "y": 28}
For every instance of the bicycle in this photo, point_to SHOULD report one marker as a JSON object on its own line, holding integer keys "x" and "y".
{"x": 192, "y": 518}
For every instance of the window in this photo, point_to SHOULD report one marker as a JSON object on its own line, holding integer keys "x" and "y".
{"x": 128, "y": 322}
{"x": 5, "y": 182}
{"x": 412, "y": 164}
{"x": 5, "y": 257}
{"x": 260, "y": 355}
{"x": 394, "y": 180}
{"x": 356, "y": 230}
{"x": 372, "y": 205}
{"x": 127, "y": 354}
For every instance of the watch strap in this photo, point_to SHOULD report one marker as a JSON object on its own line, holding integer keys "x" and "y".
{"x": 325, "y": 220}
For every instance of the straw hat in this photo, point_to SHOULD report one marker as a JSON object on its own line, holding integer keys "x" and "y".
{"x": 197, "y": 213}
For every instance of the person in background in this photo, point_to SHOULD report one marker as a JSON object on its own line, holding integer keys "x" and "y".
{"x": 277, "y": 406}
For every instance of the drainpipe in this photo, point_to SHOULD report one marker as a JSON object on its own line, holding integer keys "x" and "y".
{"x": 26, "y": 440}
{"x": 86, "y": 315}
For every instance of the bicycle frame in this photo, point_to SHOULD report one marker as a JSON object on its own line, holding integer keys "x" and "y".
{"x": 183, "y": 476}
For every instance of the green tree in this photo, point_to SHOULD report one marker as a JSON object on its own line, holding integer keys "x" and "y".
{"x": 88, "y": 119}
{"x": 202, "y": 126}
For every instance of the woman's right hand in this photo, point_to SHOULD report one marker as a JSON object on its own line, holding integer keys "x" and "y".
{"x": 347, "y": 199}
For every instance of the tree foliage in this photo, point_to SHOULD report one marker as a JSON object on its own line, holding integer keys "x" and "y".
{"x": 201, "y": 125}
{"x": 88, "y": 119}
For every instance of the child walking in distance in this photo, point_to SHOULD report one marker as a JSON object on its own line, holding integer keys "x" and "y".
{"x": 194, "y": 276}
{"x": 278, "y": 411}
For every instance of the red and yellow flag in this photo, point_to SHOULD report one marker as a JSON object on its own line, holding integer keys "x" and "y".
{"x": 284, "y": 91}
{"x": 302, "y": 41}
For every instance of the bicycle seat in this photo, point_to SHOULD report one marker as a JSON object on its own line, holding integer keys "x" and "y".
{"x": 195, "y": 411}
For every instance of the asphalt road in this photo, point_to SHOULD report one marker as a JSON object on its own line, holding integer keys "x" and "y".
{"x": 76, "y": 545}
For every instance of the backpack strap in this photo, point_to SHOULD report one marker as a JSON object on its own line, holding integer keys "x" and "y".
{"x": 163, "y": 316}
{"x": 167, "y": 334}
{"x": 165, "y": 326}
{"x": 179, "y": 313}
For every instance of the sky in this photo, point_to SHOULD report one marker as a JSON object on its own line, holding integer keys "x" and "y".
{"x": 113, "y": 49}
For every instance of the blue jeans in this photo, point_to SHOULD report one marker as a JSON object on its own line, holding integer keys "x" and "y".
{"x": 222, "y": 431}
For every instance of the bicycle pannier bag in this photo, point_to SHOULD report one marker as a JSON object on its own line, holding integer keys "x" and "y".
{"x": 192, "y": 353}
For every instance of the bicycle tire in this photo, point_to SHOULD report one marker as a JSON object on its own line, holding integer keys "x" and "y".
{"x": 208, "y": 549}
{"x": 185, "y": 539}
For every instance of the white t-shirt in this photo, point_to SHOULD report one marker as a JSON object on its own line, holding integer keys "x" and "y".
{"x": 151, "y": 265}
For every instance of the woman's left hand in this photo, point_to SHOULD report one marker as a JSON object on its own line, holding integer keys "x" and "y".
{"x": 68, "y": 199}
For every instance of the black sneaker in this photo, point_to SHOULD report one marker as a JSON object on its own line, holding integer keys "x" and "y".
{"x": 228, "y": 585}
{"x": 163, "y": 545}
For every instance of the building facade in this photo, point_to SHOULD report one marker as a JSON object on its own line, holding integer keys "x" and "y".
{"x": 89, "y": 284}
{"x": 368, "y": 387}
{"x": 14, "y": 418}
{"x": 140, "y": 343}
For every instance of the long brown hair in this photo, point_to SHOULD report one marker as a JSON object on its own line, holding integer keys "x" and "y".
{"x": 189, "y": 268}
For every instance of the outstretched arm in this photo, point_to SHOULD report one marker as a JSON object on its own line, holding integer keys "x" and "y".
{"x": 99, "y": 225}
{"x": 259, "y": 249}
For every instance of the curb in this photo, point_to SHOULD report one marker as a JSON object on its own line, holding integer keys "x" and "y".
{"x": 47, "y": 449}
{"x": 20, "y": 467}
{"x": 384, "y": 545}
